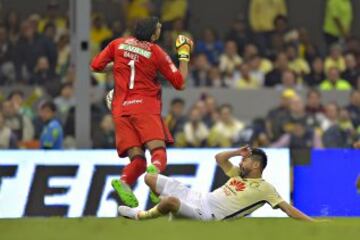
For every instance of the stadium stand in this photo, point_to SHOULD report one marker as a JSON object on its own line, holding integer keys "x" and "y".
{"x": 254, "y": 56}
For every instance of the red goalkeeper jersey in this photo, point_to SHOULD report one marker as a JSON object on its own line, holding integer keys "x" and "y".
{"x": 136, "y": 66}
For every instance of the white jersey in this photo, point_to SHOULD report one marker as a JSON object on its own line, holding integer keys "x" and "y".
{"x": 239, "y": 197}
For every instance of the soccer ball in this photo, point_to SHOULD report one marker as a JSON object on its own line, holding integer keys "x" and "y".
{"x": 109, "y": 97}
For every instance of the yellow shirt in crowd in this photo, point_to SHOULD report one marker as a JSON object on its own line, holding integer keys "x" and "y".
{"x": 228, "y": 64}
{"x": 338, "y": 63}
{"x": 173, "y": 9}
{"x": 251, "y": 83}
{"x": 265, "y": 65}
{"x": 263, "y": 12}
{"x": 341, "y": 9}
{"x": 223, "y": 135}
{"x": 138, "y": 9}
{"x": 299, "y": 66}
{"x": 97, "y": 36}
{"x": 59, "y": 22}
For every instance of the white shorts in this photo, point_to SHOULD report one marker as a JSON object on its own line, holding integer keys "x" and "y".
{"x": 193, "y": 203}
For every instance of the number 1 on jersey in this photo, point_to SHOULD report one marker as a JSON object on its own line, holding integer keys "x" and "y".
{"x": 132, "y": 74}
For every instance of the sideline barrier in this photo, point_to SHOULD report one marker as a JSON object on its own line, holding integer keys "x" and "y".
{"x": 326, "y": 186}
{"x": 77, "y": 183}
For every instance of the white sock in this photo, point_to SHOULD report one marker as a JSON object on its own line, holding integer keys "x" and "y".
{"x": 187, "y": 211}
{"x": 128, "y": 212}
{"x": 161, "y": 183}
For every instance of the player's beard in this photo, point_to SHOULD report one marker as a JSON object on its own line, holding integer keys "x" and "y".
{"x": 243, "y": 172}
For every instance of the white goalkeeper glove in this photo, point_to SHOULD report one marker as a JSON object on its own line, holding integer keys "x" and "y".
{"x": 109, "y": 97}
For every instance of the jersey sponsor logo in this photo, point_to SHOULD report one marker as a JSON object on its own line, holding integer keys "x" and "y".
{"x": 132, "y": 56}
{"x": 228, "y": 191}
{"x": 136, "y": 50}
{"x": 238, "y": 185}
{"x": 132, "y": 102}
{"x": 255, "y": 185}
{"x": 143, "y": 45}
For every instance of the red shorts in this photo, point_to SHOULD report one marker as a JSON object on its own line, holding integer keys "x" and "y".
{"x": 136, "y": 130}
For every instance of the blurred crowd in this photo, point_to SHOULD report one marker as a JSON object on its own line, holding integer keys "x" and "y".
{"x": 255, "y": 52}
{"x": 294, "y": 123}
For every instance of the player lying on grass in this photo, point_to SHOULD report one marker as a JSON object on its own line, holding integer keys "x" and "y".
{"x": 242, "y": 194}
{"x": 135, "y": 102}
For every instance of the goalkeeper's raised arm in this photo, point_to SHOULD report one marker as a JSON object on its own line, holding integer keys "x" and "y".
{"x": 184, "y": 47}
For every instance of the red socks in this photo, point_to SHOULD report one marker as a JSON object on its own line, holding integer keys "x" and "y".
{"x": 158, "y": 158}
{"x": 133, "y": 170}
{"x": 138, "y": 165}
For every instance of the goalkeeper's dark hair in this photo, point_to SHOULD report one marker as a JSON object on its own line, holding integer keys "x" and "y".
{"x": 259, "y": 155}
{"x": 145, "y": 28}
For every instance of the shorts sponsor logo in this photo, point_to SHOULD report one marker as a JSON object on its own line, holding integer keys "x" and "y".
{"x": 132, "y": 102}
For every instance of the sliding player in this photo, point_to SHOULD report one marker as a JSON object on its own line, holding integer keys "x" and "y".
{"x": 136, "y": 103}
{"x": 242, "y": 194}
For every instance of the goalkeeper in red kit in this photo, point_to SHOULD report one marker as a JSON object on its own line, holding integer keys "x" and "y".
{"x": 136, "y": 100}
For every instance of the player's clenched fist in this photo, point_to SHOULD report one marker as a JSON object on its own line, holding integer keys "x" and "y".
{"x": 184, "y": 46}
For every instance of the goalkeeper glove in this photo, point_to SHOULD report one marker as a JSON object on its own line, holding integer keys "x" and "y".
{"x": 109, "y": 98}
{"x": 184, "y": 46}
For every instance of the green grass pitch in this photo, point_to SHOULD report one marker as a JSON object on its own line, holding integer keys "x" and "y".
{"x": 159, "y": 229}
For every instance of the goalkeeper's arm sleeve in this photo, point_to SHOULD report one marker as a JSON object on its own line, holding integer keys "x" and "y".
{"x": 168, "y": 69}
{"x": 101, "y": 60}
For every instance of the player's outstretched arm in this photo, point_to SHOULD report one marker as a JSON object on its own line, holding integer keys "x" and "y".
{"x": 222, "y": 158}
{"x": 293, "y": 212}
{"x": 100, "y": 62}
{"x": 108, "y": 68}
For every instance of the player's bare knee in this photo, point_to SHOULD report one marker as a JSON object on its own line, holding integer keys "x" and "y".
{"x": 155, "y": 144}
{"x": 136, "y": 151}
{"x": 172, "y": 203}
{"x": 150, "y": 180}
